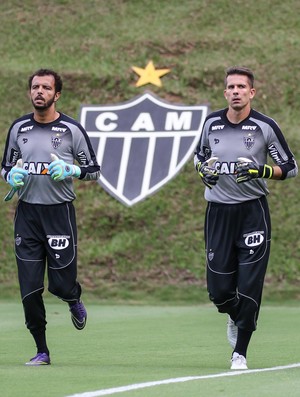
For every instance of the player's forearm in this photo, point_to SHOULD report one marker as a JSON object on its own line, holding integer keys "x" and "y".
{"x": 90, "y": 173}
{"x": 277, "y": 172}
{"x": 285, "y": 171}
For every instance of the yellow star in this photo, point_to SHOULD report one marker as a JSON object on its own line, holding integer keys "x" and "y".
{"x": 149, "y": 75}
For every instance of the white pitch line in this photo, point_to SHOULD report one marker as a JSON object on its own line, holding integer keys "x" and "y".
{"x": 122, "y": 389}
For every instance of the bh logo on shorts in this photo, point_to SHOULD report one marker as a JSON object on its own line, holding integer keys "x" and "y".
{"x": 254, "y": 239}
{"x": 141, "y": 144}
{"x": 58, "y": 242}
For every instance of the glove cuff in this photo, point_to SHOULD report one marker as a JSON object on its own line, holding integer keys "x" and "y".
{"x": 76, "y": 171}
{"x": 266, "y": 171}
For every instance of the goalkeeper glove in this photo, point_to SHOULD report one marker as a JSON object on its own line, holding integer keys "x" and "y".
{"x": 16, "y": 175}
{"x": 246, "y": 170}
{"x": 208, "y": 174}
{"x": 60, "y": 170}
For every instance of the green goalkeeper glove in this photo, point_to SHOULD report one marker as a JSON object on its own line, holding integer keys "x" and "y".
{"x": 16, "y": 175}
{"x": 60, "y": 170}
{"x": 208, "y": 174}
{"x": 246, "y": 170}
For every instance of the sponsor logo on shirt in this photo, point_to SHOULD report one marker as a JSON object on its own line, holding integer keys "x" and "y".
{"x": 82, "y": 157}
{"x": 227, "y": 168}
{"x": 275, "y": 154}
{"x": 14, "y": 155}
{"x": 28, "y": 128}
{"x": 58, "y": 129}
{"x": 36, "y": 168}
{"x": 249, "y": 127}
{"x": 217, "y": 127}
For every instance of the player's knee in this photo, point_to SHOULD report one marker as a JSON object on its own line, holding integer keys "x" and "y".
{"x": 64, "y": 291}
{"x": 58, "y": 290}
{"x": 224, "y": 302}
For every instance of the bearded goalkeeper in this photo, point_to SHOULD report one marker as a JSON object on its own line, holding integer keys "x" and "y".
{"x": 38, "y": 163}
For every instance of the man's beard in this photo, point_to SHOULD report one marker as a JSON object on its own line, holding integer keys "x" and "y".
{"x": 44, "y": 106}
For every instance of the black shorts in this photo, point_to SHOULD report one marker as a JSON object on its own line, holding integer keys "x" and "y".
{"x": 237, "y": 238}
{"x": 46, "y": 234}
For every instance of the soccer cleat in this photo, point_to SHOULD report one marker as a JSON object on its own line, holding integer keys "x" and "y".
{"x": 238, "y": 362}
{"x": 78, "y": 315}
{"x": 39, "y": 359}
{"x": 232, "y": 332}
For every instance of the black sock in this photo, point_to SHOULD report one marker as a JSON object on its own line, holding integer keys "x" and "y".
{"x": 40, "y": 341}
{"x": 243, "y": 340}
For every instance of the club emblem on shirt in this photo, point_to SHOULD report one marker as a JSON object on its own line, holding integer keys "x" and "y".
{"x": 56, "y": 141}
{"x": 249, "y": 141}
{"x": 141, "y": 144}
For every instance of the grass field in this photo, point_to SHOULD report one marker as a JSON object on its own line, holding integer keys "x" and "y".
{"x": 130, "y": 345}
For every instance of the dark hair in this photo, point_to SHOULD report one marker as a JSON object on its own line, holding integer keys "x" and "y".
{"x": 47, "y": 72}
{"x": 240, "y": 70}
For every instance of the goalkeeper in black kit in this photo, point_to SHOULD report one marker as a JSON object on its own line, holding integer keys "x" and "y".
{"x": 38, "y": 164}
{"x": 231, "y": 159}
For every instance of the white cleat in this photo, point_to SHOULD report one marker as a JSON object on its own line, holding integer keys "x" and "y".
{"x": 232, "y": 332}
{"x": 238, "y": 362}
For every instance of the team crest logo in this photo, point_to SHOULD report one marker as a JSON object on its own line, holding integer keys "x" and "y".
{"x": 211, "y": 255}
{"x": 141, "y": 144}
{"x": 56, "y": 141}
{"x": 249, "y": 141}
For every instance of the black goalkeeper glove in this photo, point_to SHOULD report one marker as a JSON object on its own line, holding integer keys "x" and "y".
{"x": 246, "y": 170}
{"x": 208, "y": 174}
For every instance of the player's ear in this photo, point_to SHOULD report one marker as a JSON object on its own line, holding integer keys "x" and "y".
{"x": 57, "y": 96}
{"x": 252, "y": 93}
